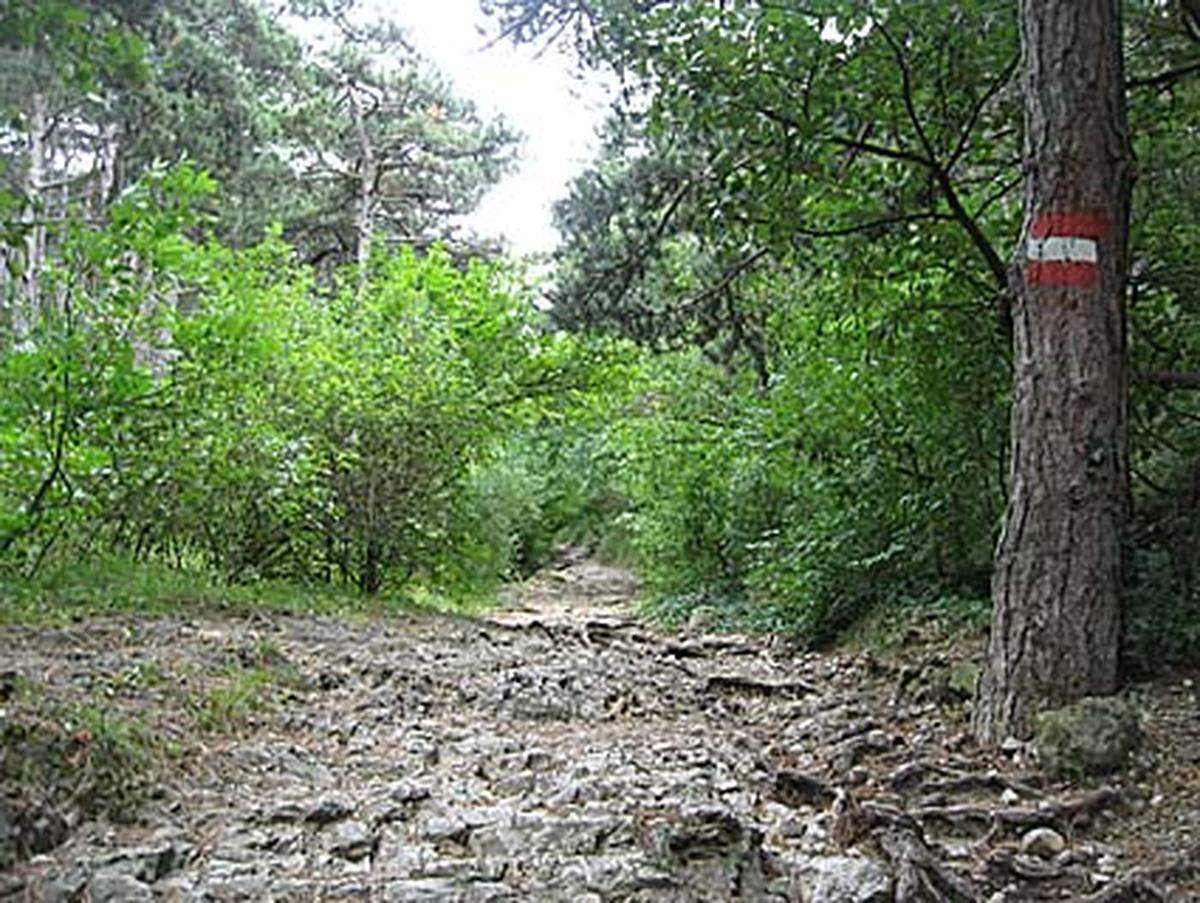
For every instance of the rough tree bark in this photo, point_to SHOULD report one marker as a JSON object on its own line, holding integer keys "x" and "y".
{"x": 1056, "y": 586}
{"x": 26, "y": 315}
{"x": 368, "y": 183}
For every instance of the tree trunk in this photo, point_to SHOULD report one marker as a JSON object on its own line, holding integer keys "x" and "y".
{"x": 106, "y": 168}
{"x": 26, "y": 316}
{"x": 368, "y": 180}
{"x": 1057, "y": 579}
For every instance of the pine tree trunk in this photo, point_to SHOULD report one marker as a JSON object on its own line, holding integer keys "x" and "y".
{"x": 27, "y": 315}
{"x": 367, "y": 185}
{"x": 1056, "y": 586}
{"x": 107, "y": 155}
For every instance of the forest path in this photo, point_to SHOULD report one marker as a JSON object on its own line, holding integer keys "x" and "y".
{"x": 556, "y": 749}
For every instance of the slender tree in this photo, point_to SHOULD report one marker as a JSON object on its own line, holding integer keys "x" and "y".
{"x": 1056, "y": 586}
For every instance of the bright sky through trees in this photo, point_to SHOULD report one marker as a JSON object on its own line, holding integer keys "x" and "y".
{"x": 538, "y": 93}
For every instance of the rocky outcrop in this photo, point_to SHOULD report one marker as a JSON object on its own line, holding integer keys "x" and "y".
{"x": 558, "y": 750}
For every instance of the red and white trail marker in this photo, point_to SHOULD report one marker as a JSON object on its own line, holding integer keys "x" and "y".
{"x": 1064, "y": 249}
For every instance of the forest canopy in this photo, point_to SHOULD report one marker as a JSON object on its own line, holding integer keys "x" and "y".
{"x": 243, "y": 331}
{"x": 819, "y": 204}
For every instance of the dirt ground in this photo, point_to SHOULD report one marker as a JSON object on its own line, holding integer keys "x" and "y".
{"x": 555, "y": 749}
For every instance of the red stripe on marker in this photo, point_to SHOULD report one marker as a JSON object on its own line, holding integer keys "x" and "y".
{"x": 1062, "y": 249}
{"x": 1075, "y": 225}
{"x": 1058, "y": 272}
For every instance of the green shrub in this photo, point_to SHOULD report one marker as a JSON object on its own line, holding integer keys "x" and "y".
{"x": 866, "y": 469}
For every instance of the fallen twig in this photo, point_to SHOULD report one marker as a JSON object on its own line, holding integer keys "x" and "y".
{"x": 1145, "y": 883}
{"x": 738, "y": 684}
{"x": 1047, "y": 813}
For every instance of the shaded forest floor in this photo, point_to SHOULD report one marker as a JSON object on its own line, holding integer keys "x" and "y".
{"x": 556, "y": 749}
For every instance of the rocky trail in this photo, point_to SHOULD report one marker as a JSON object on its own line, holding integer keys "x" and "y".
{"x": 560, "y": 749}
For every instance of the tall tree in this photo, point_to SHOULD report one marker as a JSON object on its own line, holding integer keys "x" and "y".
{"x": 757, "y": 136}
{"x": 1057, "y": 581}
{"x": 56, "y": 59}
{"x": 349, "y": 133}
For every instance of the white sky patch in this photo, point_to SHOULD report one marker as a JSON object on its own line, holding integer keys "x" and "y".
{"x": 539, "y": 95}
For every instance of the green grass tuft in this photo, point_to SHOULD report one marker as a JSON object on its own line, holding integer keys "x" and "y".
{"x": 61, "y": 758}
{"x": 108, "y": 586}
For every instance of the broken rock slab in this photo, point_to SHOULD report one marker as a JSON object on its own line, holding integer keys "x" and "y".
{"x": 839, "y": 879}
{"x": 115, "y": 886}
{"x": 711, "y": 852}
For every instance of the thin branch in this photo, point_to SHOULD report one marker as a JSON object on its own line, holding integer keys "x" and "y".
{"x": 972, "y": 120}
{"x": 998, "y": 194}
{"x": 867, "y": 147}
{"x": 928, "y": 216}
{"x": 627, "y": 270}
{"x": 1170, "y": 379}
{"x": 958, "y": 212}
{"x": 727, "y": 279}
{"x": 982, "y": 243}
{"x": 907, "y": 95}
{"x": 941, "y": 173}
{"x": 879, "y": 150}
{"x": 1165, "y": 79}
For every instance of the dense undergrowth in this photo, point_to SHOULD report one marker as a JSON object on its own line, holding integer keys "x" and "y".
{"x": 197, "y": 413}
{"x": 220, "y": 411}
{"x": 219, "y": 427}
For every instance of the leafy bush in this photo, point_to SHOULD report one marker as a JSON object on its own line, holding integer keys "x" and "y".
{"x": 866, "y": 470}
{"x": 218, "y": 410}
{"x": 552, "y": 484}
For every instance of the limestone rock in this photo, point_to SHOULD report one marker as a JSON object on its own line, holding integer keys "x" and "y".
{"x": 709, "y": 850}
{"x": 327, "y": 811}
{"x": 146, "y": 864}
{"x": 1044, "y": 842}
{"x": 66, "y": 887}
{"x": 352, "y": 841}
{"x": 1094, "y": 736}
{"x": 116, "y": 886}
{"x": 840, "y": 879}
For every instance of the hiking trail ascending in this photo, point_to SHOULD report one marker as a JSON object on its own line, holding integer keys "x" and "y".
{"x": 560, "y": 749}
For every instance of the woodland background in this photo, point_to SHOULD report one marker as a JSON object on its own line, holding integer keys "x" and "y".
{"x": 244, "y": 343}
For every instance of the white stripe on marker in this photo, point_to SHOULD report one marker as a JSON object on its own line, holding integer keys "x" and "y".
{"x": 1062, "y": 248}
